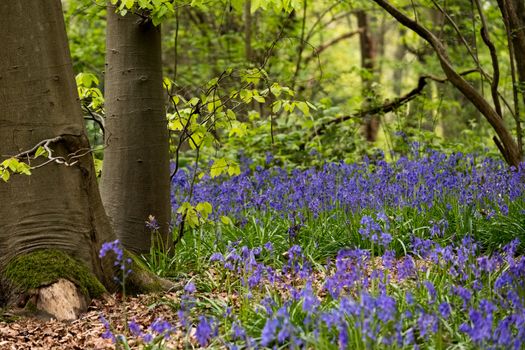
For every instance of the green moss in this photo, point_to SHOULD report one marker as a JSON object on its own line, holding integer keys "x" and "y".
{"x": 44, "y": 267}
{"x": 142, "y": 280}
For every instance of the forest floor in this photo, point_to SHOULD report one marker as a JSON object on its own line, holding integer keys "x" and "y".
{"x": 29, "y": 333}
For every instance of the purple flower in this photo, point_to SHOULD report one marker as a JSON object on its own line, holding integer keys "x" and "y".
{"x": 204, "y": 331}
{"x": 444, "y": 309}
{"x": 190, "y": 288}
{"x": 238, "y": 331}
{"x": 162, "y": 327}
{"x": 122, "y": 263}
{"x": 431, "y": 291}
{"x": 152, "y": 223}
{"x": 342, "y": 339}
{"x": 108, "y": 334}
{"x": 268, "y": 332}
{"x": 216, "y": 257}
{"x": 135, "y": 328}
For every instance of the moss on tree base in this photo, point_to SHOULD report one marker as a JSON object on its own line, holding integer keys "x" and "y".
{"x": 142, "y": 280}
{"x": 44, "y": 267}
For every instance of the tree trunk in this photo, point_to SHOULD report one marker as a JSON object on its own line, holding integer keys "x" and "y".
{"x": 248, "y": 51}
{"x": 57, "y": 206}
{"x": 368, "y": 74}
{"x": 135, "y": 177}
{"x": 517, "y": 24}
{"x": 505, "y": 141}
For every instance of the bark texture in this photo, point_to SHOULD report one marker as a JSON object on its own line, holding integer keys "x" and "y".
{"x": 516, "y": 14}
{"x": 135, "y": 177}
{"x": 57, "y": 206}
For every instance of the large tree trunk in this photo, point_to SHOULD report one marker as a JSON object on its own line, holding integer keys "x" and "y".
{"x": 57, "y": 206}
{"x": 135, "y": 177}
{"x": 369, "y": 75}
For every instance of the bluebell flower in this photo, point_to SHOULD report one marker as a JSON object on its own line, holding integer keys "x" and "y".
{"x": 108, "y": 334}
{"x": 444, "y": 309}
{"x": 204, "y": 331}
{"x": 162, "y": 327}
{"x": 268, "y": 332}
{"x": 216, "y": 257}
{"x": 135, "y": 328}
{"x": 190, "y": 288}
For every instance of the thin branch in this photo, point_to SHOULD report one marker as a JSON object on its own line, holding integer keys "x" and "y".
{"x": 97, "y": 118}
{"x": 512, "y": 154}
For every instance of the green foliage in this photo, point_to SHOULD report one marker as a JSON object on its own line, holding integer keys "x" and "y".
{"x": 158, "y": 10}
{"x": 14, "y": 166}
{"x": 197, "y": 215}
{"x": 44, "y": 267}
{"x": 89, "y": 92}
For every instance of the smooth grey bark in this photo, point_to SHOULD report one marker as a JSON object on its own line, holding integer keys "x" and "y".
{"x": 135, "y": 177}
{"x": 57, "y": 206}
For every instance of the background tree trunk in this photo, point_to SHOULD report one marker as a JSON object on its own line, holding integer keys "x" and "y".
{"x": 135, "y": 177}
{"x": 368, "y": 75}
{"x": 57, "y": 206}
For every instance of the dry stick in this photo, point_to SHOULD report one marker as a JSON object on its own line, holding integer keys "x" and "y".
{"x": 510, "y": 149}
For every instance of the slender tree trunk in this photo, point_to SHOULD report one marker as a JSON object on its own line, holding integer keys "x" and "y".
{"x": 517, "y": 22}
{"x": 399, "y": 71}
{"x": 248, "y": 31}
{"x": 57, "y": 206}
{"x": 135, "y": 177}
{"x": 368, "y": 75}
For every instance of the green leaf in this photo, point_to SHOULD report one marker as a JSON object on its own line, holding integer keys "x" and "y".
{"x": 238, "y": 128}
{"x": 234, "y": 169}
{"x": 184, "y": 207}
{"x": 231, "y": 114}
{"x": 205, "y": 209}
{"x": 10, "y": 164}
{"x": 23, "y": 168}
{"x": 219, "y": 166}
{"x": 194, "y": 101}
{"x": 258, "y": 98}
{"x": 40, "y": 151}
{"x": 304, "y": 108}
{"x": 277, "y": 106}
{"x": 5, "y": 175}
{"x": 226, "y": 220}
